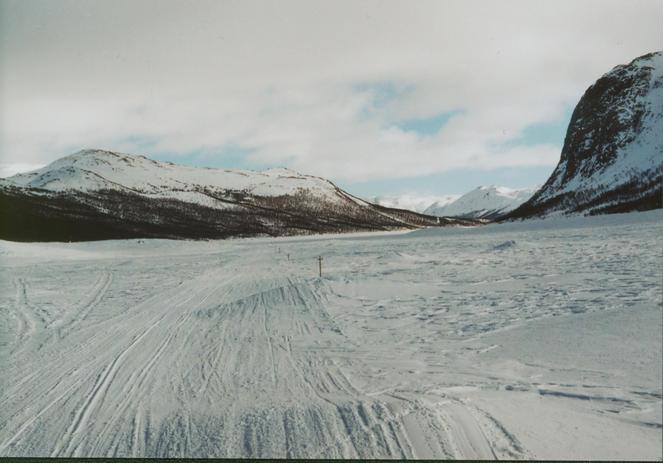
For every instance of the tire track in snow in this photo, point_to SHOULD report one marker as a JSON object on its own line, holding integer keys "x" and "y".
{"x": 465, "y": 433}
{"x": 297, "y": 299}
{"x": 25, "y": 327}
{"x": 270, "y": 344}
{"x": 72, "y": 352}
{"x": 136, "y": 385}
{"x": 96, "y": 395}
{"x": 473, "y": 433}
{"x": 80, "y": 313}
{"x": 30, "y": 320}
{"x": 499, "y": 437}
{"x": 362, "y": 434}
{"x": 103, "y": 382}
{"x": 30, "y": 421}
{"x": 135, "y": 389}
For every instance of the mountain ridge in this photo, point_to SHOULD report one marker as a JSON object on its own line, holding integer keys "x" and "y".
{"x": 98, "y": 194}
{"x": 484, "y": 202}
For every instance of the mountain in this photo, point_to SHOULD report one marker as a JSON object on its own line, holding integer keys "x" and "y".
{"x": 612, "y": 158}
{"x": 412, "y": 202}
{"x": 96, "y": 194}
{"x": 484, "y": 202}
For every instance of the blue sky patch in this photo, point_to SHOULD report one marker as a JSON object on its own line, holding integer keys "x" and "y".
{"x": 548, "y": 133}
{"x": 383, "y": 92}
{"x": 141, "y": 142}
{"x": 428, "y": 125}
{"x": 230, "y": 156}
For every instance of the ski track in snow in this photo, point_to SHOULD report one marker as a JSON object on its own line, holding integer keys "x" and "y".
{"x": 434, "y": 346}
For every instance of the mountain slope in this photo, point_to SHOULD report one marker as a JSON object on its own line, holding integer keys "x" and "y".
{"x": 484, "y": 202}
{"x": 612, "y": 159}
{"x": 96, "y": 194}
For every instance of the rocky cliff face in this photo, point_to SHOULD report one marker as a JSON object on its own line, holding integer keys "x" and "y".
{"x": 612, "y": 159}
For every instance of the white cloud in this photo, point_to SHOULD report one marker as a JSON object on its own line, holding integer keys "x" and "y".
{"x": 292, "y": 80}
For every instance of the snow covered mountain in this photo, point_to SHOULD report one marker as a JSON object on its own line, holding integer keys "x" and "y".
{"x": 412, "y": 202}
{"x": 484, "y": 202}
{"x": 612, "y": 159}
{"x": 93, "y": 170}
{"x": 96, "y": 194}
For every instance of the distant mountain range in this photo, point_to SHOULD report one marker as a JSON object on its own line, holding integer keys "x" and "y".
{"x": 484, "y": 202}
{"x": 612, "y": 158}
{"x": 96, "y": 194}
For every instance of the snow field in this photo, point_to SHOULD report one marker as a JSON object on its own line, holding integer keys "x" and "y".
{"x": 528, "y": 340}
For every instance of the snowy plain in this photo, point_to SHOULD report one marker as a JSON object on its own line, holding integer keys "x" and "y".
{"x": 539, "y": 339}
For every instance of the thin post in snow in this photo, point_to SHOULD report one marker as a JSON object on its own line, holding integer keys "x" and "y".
{"x": 320, "y": 266}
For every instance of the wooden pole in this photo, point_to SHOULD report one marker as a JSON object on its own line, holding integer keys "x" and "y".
{"x": 320, "y": 266}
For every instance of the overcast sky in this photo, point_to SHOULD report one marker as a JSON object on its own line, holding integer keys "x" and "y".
{"x": 383, "y": 97}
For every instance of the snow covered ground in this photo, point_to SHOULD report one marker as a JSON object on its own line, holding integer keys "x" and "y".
{"x": 538, "y": 339}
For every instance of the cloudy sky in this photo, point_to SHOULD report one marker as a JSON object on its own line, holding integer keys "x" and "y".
{"x": 383, "y": 97}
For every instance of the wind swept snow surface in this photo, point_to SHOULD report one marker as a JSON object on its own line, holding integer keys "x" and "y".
{"x": 433, "y": 344}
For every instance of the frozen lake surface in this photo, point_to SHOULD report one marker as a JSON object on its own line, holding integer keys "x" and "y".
{"x": 526, "y": 340}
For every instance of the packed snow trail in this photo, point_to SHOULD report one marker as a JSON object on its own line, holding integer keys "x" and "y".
{"x": 439, "y": 344}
